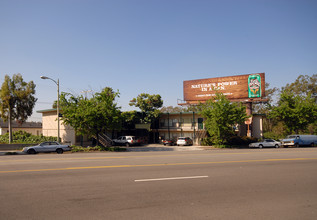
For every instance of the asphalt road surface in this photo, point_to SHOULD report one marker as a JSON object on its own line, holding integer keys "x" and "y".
{"x": 210, "y": 184}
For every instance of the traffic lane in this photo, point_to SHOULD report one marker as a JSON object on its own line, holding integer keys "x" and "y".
{"x": 275, "y": 190}
{"x": 47, "y": 162}
{"x": 253, "y": 191}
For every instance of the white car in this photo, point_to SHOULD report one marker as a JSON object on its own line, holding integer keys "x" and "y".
{"x": 127, "y": 141}
{"x": 266, "y": 143}
{"x": 45, "y": 147}
{"x": 184, "y": 141}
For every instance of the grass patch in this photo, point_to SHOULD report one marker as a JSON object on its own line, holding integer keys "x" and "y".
{"x": 11, "y": 153}
{"x": 222, "y": 146}
{"x": 97, "y": 148}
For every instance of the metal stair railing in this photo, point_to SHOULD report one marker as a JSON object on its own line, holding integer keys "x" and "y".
{"x": 105, "y": 140}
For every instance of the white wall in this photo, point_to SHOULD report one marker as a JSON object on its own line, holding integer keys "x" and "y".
{"x": 49, "y": 121}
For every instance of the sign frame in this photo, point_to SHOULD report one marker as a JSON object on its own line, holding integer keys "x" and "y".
{"x": 239, "y": 87}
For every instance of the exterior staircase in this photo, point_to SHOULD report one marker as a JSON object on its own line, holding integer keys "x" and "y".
{"x": 104, "y": 140}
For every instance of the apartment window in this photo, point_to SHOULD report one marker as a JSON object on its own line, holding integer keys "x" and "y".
{"x": 174, "y": 122}
{"x": 181, "y": 122}
{"x": 162, "y": 123}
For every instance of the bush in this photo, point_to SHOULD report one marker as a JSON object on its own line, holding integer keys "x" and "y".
{"x": 241, "y": 141}
{"x": 97, "y": 148}
{"x": 206, "y": 141}
{"x": 273, "y": 135}
{"x": 232, "y": 141}
{"x": 22, "y": 137}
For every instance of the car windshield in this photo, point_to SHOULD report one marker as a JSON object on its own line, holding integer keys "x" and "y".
{"x": 181, "y": 138}
{"x": 291, "y": 136}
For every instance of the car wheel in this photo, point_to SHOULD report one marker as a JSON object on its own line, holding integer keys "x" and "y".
{"x": 260, "y": 146}
{"x": 127, "y": 145}
{"x": 312, "y": 144}
{"x": 296, "y": 145}
{"x": 276, "y": 146}
{"x": 31, "y": 151}
{"x": 59, "y": 151}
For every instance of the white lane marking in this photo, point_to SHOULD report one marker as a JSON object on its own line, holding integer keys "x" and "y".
{"x": 171, "y": 178}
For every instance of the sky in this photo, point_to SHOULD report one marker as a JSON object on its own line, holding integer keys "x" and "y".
{"x": 152, "y": 46}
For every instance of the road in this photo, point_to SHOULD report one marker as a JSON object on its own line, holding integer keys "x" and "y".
{"x": 210, "y": 184}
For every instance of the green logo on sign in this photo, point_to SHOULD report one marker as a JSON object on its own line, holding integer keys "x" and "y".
{"x": 254, "y": 85}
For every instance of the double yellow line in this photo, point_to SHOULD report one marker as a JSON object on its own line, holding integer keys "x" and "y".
{"x": 155, "y": 165}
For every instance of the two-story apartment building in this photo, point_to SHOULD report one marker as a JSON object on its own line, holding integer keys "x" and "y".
{"x": 191, "y": 124}
{"x": 170, "y": 126}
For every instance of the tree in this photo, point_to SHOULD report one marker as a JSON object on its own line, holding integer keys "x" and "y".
{"x": 275, "y": 124}
{"x": 297, "y": 112}
{"x": 221, "y": 116}
{"x": 129, "y": 119}
{"x": 16, "y": 100}
{"x": 194, "y": 108}
{"x": 149, "y": 105}
{"x": 171, "y": 109}
{"x": 303, "y": 85}
{"x": 91, "y": 116}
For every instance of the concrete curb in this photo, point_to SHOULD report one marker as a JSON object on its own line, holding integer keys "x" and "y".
{"x": 144, "y": 148}
{"x": 12, "y": 152}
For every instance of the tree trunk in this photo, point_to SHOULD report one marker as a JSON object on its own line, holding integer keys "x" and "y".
{"x": 10, "y": 126}
{"x": 97, "y": 139}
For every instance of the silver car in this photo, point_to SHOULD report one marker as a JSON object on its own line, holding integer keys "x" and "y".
{"x": 266, "y": 143}
{"x": 45, "y": 147}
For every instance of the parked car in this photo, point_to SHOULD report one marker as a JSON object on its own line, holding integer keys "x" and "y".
{"x": 184, "y": 141}
{"x": 299, "y": 140}
{"x": 170, "y": 142}
{"x": 46, "y": 147}
{"x": 266, "y": 143}
{"x": 126, "y": 141}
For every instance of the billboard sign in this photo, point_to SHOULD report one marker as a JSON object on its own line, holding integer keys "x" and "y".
{"x": 247, "y": 86}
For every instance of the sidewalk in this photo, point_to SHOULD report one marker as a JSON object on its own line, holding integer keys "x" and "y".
{"x": 144, "y": 148}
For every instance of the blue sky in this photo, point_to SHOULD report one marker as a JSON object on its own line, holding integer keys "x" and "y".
{"x": 152, "y": 46}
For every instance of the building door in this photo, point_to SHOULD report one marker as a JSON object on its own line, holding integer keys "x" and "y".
{"x": 200, "y": 123}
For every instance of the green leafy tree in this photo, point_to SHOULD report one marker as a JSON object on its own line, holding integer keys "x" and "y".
{"x": 16, "y": 100}
{"x": 171, "y": 109}
{"x": 129, "y": 119}
{"x": 274, "y": 125}
{"x": 297, "y": 112}
{"x": 91, "y": 116}
{"x": 221, "y": 116}
{"x": 194, "y": 108}
{"x": 303, "y": 85}
{"x": 149, "y": 105}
